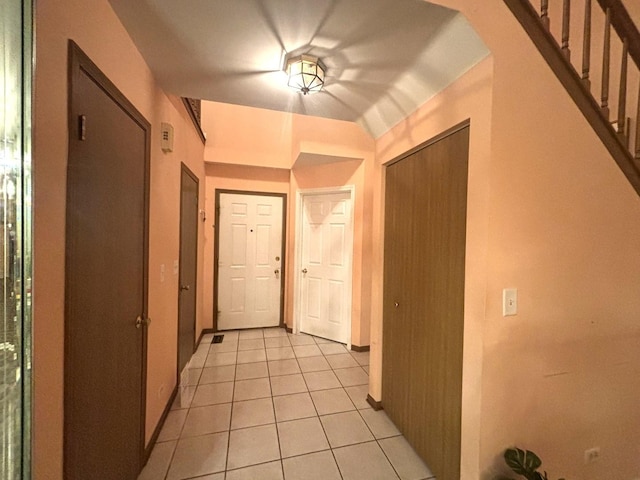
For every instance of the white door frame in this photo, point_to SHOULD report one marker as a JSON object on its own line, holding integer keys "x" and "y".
{"x": 297, "y": 282}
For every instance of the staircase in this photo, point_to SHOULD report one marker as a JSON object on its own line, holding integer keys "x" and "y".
{"x": 608, "y": 95}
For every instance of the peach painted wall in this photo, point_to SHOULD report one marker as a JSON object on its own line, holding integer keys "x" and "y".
{"x": 562, "y": 231}
{"x": 99, "y": 33}
{"x": 246, "y": 136}
{"x": 561, "y": 224}
{"x": 468, "y": 98}
{"x": 262, "y": 145}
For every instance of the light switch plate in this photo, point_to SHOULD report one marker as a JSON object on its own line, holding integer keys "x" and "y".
{"x": 509, "y": 302}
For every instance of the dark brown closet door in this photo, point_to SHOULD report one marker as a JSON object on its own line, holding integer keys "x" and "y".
{"x": 106, "y": 279}
{"x": 425, "y": 225}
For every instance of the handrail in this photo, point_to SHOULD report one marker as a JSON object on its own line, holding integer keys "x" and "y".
{"x": 193, "y": 106}
{"x": 624, "y": 26}
{"x": 558, "y": 57}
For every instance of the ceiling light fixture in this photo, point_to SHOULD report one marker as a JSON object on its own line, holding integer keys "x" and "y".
{"x": 306, "y": 74}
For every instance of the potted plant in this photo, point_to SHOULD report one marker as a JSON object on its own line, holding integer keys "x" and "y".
{"x": 525, "y": 463}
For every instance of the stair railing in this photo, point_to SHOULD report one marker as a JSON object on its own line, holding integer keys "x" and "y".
{"x": 595, "y": 39}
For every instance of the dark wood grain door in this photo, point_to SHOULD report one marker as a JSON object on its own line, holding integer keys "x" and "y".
{"x": 106, "y": 279}
{"x": 188, "y": 266}
{"x": 425, "y": 232}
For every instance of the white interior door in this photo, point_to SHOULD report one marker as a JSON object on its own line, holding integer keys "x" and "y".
{"x": 249, "y": 260}
{"x": 326, "y": 254}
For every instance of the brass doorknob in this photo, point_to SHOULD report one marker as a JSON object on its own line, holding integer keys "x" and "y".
{"x": 304, "y": 270}
{"x": 184, "y": 287}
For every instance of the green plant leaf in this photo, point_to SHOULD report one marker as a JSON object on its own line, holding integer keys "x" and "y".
{"x": 523, "y": 462}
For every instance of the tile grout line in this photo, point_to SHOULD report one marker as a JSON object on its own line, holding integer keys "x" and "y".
{"x": 331, "y": 449}
{"x": 235, "y": 367}
{"x": 186, "y": 416}
{"x": 269, "y": 376}
{"x": 377, "y": 440}
{"x": 275, "y": 419}
{"x": 233, "y": 393}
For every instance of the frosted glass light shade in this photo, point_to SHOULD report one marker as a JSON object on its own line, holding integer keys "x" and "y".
{"x": 306, "y": 74}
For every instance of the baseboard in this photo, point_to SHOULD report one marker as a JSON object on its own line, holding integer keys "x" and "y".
{"x": 356, "y": 348}
{"x": 289, "y": 329}
{"x": 203, "y": 333}
{"x": 156, "y": 431}
{"x": 374, "y": 404}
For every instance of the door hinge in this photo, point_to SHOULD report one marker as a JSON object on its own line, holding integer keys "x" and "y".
{"x": 142, "y": 320}
{"x": 82, "y": 127}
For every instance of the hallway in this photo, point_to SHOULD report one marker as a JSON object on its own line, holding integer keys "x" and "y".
{"x": 268, "y": 405}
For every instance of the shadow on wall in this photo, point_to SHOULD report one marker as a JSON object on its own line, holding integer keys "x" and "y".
{"x": 245, "y": 172}
{"x": 334, "y": 174}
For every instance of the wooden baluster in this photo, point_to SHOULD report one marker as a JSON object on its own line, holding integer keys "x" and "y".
{"x": 544, "y": 14}
{"x": 622, "y": 97}
{"x": 638, "y": 128}
{"x": 606, "y": 56}
{"x": 566, "y": 18}
{"x": 586, "y": 46}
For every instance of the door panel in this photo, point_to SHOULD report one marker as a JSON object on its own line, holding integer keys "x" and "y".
{"x": 188, "y": 266}
{"x": 326, "y": 250}
{"x": 106, "y": 279}
{"x": 250, "y": 260}
{"x": 425, "y": 223}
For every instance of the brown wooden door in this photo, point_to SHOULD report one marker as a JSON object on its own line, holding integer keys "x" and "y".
{"x": 188, "y": 266}
{"x": 106, "y": 279}
{"x": 425, "y": 225}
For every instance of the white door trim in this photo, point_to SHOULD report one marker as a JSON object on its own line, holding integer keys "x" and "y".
{"x": 297, "y": 282}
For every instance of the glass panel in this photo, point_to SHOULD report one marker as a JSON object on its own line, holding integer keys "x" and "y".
{"x": 15, "y": 239}
{"x": 27, "y": 229}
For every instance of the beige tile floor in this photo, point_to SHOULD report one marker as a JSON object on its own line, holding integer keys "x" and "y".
{"x": 267, "y": 405}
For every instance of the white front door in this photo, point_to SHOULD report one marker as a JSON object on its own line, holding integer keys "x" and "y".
{"x": 325, "y": 265}
{"x": 249, "y": 260}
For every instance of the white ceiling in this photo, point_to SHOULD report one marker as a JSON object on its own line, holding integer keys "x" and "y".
{"x": 384, "y": 58}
